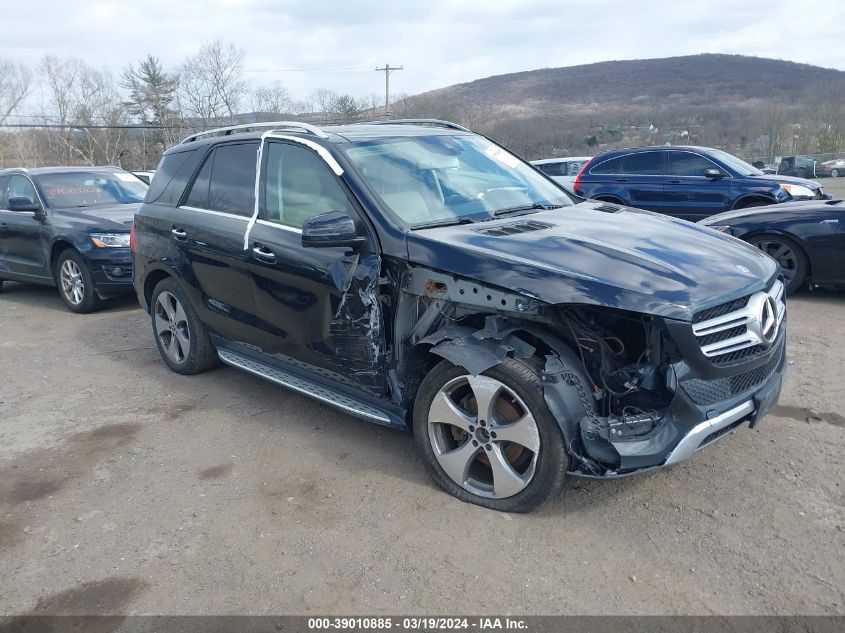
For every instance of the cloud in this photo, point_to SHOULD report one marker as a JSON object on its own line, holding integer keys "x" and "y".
{"x": 310, "y": 44}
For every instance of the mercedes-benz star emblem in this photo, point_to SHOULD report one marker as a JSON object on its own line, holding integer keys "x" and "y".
{"x": 768, "y": 320}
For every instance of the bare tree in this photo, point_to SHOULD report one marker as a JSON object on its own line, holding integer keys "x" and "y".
{"x": 211, "y": 87}
{"x": 14, "y": 87}
{"x": 272, "y": 99}
{"x": 86, "y": 105}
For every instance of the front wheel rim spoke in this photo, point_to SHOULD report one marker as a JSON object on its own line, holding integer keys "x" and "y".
{"x": 523, "y": 432}
{"x": 184, "y": 342}
{"x": 173, "y": 348}
{"x": 506, "y": 481}
{"x": 444, "y": 411}
{"x": 456, "y": 462}
{"x": 486, "y": 391}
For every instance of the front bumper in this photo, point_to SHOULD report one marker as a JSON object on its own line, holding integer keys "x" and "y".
{"x": 112, "y": 271}
{"x": 692, "y": 421}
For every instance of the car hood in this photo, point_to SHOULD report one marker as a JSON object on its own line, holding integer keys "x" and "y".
{"x": 786, "y": 180}
{"x": 629, "y": 259}
{"x": 784, "y": 209}
{"x": 118, "y": 217}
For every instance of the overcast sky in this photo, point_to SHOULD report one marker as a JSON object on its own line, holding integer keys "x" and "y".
{"x": 334, "y": 44}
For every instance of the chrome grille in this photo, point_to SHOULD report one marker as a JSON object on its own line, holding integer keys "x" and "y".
{"x": 741, "y": 328}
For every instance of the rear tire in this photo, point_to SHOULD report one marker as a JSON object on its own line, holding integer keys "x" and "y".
{"x": 180, "y": 335}
{"x": 834, "y": 173}
{"x": 789, "y": 255}
{"x": 76, "y": 282}
{"x": 515, "y": 460}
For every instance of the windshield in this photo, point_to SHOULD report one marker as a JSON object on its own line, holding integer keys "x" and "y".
{"x": 735, "y": 163}
{"x": 440, "y": 179}
{"x": 90, "y": 188}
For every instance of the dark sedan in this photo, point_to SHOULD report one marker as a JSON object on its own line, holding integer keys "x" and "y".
{"x": 69, "y": 227}
{"x": 806, "y": 238}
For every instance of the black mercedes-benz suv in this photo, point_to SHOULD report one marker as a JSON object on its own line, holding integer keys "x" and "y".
{"x": 417, "y": 275}
{"x": 69, "y": 227}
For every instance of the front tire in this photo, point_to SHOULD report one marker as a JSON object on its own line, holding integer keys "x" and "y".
{"x": 509, "y": 457}
{"x": 76, "y": 282}
{"x": 834, "y": 173}
{"x": 181, "y": 337}
{"x": 790, "y": 256}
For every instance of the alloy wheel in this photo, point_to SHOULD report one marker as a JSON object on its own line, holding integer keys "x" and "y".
{"x": 72, "y": 281}
{"x": 834, "y": 173}
{"x": 171, "y": 327}
{"x": 784, "y": 256}
{"x": 484, "y": 436}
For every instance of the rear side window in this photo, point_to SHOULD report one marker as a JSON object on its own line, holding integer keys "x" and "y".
{"x": 167, "y": 168}
{"x": 612, "y": 166}
{"x": 688, "y": 164}
{"x": 226, "y": 181}
{"x": 644, "y": 164}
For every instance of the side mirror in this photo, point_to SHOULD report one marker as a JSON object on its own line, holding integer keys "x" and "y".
{"x": 22, "y": 203}
{"x": 335, "y": 228}
{"x": 713, "y": 174}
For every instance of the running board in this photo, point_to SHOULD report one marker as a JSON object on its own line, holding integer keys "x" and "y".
{"x": 306, "y": 387}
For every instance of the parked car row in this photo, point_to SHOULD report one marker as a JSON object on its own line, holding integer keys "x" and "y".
{"x": 419, "y": 276}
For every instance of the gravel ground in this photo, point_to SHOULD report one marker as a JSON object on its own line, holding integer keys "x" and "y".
{"x": 125, "y": 488}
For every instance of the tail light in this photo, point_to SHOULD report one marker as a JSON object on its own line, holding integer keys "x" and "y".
{"x": 133, "y": 244}
{"x": 577, "y": 184}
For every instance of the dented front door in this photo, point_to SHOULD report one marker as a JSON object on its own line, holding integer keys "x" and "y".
{"x": 317, "y": 306}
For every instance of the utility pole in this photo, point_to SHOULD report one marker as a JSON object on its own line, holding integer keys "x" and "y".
{"x": 387, "y": 70}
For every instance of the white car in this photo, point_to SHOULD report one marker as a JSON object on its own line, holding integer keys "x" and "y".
{"x": 145, "y": 175}
{"x": 562, "y": 170}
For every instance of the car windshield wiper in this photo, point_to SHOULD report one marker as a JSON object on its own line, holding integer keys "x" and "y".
{"x": 536, "y": 206}
{"x": 446, "y": 222}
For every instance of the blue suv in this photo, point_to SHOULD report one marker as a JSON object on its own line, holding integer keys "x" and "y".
{"x": 691, "y": 183}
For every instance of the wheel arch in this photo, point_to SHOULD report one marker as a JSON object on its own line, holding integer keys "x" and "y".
{"x": 775, "y": 232}
{"x": 59, "y": 246}
{"x": 608, "y": 197}
{"x": 566, "y": 389}
{"x": 744, "y": 200}
{"x": 153, "y": 278}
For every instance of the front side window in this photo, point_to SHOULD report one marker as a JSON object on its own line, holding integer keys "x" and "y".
{"x": 688, "y": 164}
{"x": 79, "y": 189}
{"x": 737, "y": 164}
{"x": 644, "y": 164}
{"x": 444, "y": 178}
{"x": 226, "y": 182}
{"x": 298, "y": 185}
{"x": 552, "y": 169}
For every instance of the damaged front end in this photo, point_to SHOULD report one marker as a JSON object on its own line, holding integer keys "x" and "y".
{"x": 613, "y": 379}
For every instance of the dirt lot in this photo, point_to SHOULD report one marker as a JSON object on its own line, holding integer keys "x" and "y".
{"x": 125, "y": 488}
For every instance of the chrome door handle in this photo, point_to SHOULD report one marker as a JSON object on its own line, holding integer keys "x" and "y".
{"x": 179, "y": 233}
{"x": 263, "y": 254}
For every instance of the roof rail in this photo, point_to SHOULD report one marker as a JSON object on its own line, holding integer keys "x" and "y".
{"x": 245, "y": 127}
{"x": 435, "y": 122}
